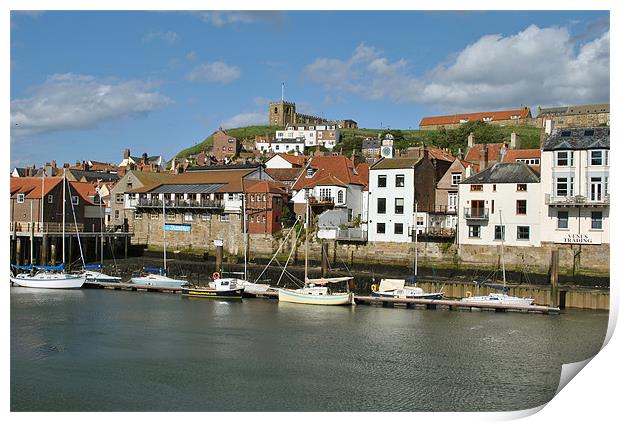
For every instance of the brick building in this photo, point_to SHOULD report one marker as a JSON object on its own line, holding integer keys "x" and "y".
{"x": 224, "y": 145}
{"x": 574, "y": 116}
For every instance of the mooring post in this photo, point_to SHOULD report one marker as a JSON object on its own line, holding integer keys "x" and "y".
{"x": 18, "y": 251}
{"x": 553, "y": 276}
{"x": 324, "y": 254}
{"x": 44, "y": 246}
{"x": 53, "y": 252}
{"x": 126, "y": 241}
{"x": 219, "y": 257}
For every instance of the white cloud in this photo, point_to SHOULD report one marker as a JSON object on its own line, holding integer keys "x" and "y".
{"x": 214, "y": 72}
{"x": 191, "y": 56}
{"x": 71, "y": 101}
{"x": 169, "y": 37}
{"x": 538, "y": 66}
{"x": 221, "y": 18}
{"x": 245, "y": 119}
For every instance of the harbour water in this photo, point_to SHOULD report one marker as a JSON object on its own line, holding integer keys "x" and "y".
{"x": 101, "y": 350}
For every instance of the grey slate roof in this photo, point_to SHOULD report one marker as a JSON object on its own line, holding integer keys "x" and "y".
{"x": 578, "y": 138}
{"x": 396, "y": 163}
{"x": 504, "y": 173}
{"x": 371, "y": 143}
{"x": 93, "y": 176}
{"x": 575, "y": 109}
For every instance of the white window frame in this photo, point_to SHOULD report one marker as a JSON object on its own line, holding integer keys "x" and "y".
{"x": 21, "y": 198}
{"x": 454, "y": 176}
{"x": 75, "y": 200}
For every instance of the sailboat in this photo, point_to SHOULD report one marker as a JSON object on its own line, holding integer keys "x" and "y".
{"x": 315, "y": 291}
{"x": 500, "y": 298}
{"x": 45, "y": 278}
{"x": 159, "y": 277}
{"x": 93, "y": 273}
{"x": 397, "y": 288}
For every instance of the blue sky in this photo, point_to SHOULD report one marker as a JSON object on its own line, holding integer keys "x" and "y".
{"x": 85, "y": 85}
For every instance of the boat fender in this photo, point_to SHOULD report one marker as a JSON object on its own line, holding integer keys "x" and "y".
{"x": 373, "y": 287}
{"x": 215, "y": 275}
{"x": 467, "y": 294}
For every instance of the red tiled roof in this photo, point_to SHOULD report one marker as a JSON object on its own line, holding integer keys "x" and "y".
{"x": 296, "y": 160}
{"x": 474, "y": 166}
{"x": 440, "y": 154}
{"x": 336, "y": 169}
{"x": 456, "y": 118}
{"x": 31, "y": 186}
{"x": 514, "y": 154}
{"x": 287, "y": 175}
{"x": 493, "y": 152}
{"x": 85, "y": 190}
{"x": 264, "y": 186}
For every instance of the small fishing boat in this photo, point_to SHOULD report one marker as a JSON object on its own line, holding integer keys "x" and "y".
{"x": 396, "y": 288}
{"x": 219, "y": 288}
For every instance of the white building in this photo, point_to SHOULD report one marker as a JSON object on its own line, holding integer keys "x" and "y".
{"x": 395, "y": 185}
{"x": 285, "y": 161}
{"x": 575, "y": 186}
{"x": 325, "y": 135}
{"x": 293, "y": 146}
{"x": 509, "y": 189}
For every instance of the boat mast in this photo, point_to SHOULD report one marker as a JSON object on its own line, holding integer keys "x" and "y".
{"x": 101, "y": 216}
{"x": 502, "y": 248}
{"x": 42, "y": 201}
{"x": 64, "y": 201}
{"x": 31, "y": 236}
{"x": 415, "y": 245}
{"x": 164, "y": 210}
{"x": 307, "y": 226}
{"x": 245, "y": 238}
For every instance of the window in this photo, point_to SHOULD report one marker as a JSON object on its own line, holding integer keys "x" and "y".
{"x": 380, "y": 205}
{"x": 188, "y": 216}
{"x": 523, "y": 232}
{"x": 340, "y": 197}
{"x": 382, "y": 181}
{"x": 117, "y": 213}
{"x": 521, "y": 187}
{"x": 596, "y": 158}
{"x": 564, "y": 158}
{"x": 476, "y": 188}
{"x": 529, "y": 161}
{"x": 500, "y": 232}
{"x": 75, "y": 200}
{"x": 119, "y": 198}
{"x": 20, "y": 198}
{"x": 50, "y": 199}
{"x": 597, "y": 220}
{"x": 474, "y": 231}
{"x": 225, "y": 217}
{"x": 206, "y": 217}
{"x": 399, "y": 206}
{"x": 137, "y": 215}
{"x": 398, "y": 228}
{"x": 380, "y": 227}
{"x": 562, "y": 219}
{"x": 564, "y": 186}
{"x": 154, "y": 216}
{"x": 230, "y": 196}
{"x": 494, "y": 188}
{"x": 456, "y": 178}
{"x": 521, "y": 206}
{"x": 596, "y": 188}
{"x": 400, "y": 180}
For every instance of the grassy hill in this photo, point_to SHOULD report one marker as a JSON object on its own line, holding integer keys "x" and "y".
{"x": 452, "y": 139}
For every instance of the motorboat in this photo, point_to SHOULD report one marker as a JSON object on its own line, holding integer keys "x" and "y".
{"x": 219, "y": 288}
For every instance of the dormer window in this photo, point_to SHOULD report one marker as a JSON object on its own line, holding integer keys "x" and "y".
{"x": 487, "y": 119}
{"x": 310, "y": 172}
{"x": 20, "y": 198}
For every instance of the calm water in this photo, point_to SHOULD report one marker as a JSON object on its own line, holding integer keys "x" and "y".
{"x": 90, "y": 350}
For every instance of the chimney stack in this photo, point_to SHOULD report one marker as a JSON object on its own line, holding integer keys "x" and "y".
{"x": 53, "y": 164}
{"x": 515, "y": 141}
{"x": 470, "y": 140}
{"x": 484, "y": 157}
{"x": 460, "y": 154}
{"x": 126, "y": 153}
{"x": 145, "y": 158}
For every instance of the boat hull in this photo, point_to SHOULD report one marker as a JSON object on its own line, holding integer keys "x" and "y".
{"x": 291, "y": 296}
{"x": 212, "y": 293}
{"x": 142, "y": 281}
{"x": 49, "y": 283}
{"x": 430, "y": 296}
{"x": 500, "y": 299}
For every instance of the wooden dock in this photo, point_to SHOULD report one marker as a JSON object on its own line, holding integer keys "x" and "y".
{"x": 452, "y": 305}
{"x": 161, "y": 289}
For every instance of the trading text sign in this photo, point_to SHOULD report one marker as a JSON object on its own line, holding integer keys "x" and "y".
{"x": 581, "y": 239}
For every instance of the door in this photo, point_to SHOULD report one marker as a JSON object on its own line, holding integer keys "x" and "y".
{"x": 477, "y": 209}
{"x": 596, "y": 188}
{"x": 452, "y": 198}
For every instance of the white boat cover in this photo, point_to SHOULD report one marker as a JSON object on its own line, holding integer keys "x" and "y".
{"x": 388, "y": 284}
{"x": 327, "y": 280}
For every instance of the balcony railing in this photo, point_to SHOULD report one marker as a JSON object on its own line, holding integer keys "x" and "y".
{"x": 352, "y": 235}
{"x": 321, "y": 200}
{"x": 575, "y": 201}
{"x": 46, "y": 227}
{"x": 476, "y": 213}
{"x": 180, "y": 203}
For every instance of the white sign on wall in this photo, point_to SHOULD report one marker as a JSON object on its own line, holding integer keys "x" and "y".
{"x": 218, "y": 242}
{"x": 581, "y": 239}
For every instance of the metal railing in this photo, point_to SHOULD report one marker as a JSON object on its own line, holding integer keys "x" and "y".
{"x": 576, "y": 200}
{"x": 352, "y": 235}
{"x": 321, "y": 200}
{"x": 476, "y": 213}
{"x": 180, "y": 203}
{"x": 46, "y": 227}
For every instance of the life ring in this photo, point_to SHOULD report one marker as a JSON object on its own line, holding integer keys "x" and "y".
{"x": 467, "y": 294}
{"x": 373, "y": 287}
{"x": 215, "y": 275}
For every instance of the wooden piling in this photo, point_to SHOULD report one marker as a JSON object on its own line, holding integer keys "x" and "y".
{"x": 44, "y": 246}
{"x": 553, "y": 276}
{"x": 126, "y": 240}
{"x": 53, "y": 252}
{"x": 219, "y": 258}
{"x": 324, "y": 258}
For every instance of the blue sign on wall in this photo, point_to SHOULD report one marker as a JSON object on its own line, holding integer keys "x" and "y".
{"x": 178, "y": 228}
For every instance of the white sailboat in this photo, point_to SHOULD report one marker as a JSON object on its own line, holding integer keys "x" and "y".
{"x": 45, "y": 278}
{"x": 315, "y": 291}
{"x": 397, "y": 288}
{"x": 161, "y": 279}
{"x": 500, "y": 298}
